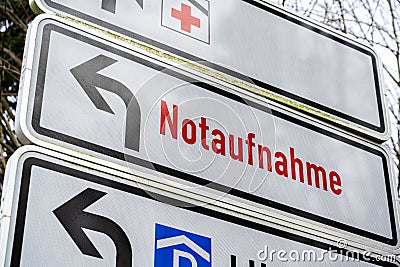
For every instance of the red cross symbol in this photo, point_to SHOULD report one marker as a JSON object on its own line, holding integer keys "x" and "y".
{"x": 186, "y": 18}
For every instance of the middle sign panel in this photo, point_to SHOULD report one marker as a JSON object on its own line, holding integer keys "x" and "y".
{"x": 89, "y": 97}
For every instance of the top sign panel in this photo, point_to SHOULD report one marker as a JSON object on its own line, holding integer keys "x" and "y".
{"x": 304, "y": 65}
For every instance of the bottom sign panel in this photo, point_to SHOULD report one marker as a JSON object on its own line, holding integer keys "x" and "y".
{"x": 61, "y": 214}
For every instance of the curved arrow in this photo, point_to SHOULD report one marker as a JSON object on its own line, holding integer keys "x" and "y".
{"x": 73, "y": 219}
{"x": 88, "y": 78}
{"x": 109, "y": 5}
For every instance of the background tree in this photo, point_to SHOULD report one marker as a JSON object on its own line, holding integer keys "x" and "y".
{"x": 375, "y": 22}
{"x": 14, "y": 17}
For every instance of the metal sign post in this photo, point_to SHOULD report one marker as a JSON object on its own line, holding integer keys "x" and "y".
{"x": 119, "y": 108}
{"x": 292, "y": 60}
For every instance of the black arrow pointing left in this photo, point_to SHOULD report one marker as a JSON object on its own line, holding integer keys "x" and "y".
{"x": 73, "y": 219}
{"x": 89, "y": 79}
{"x": 110, "y": 5}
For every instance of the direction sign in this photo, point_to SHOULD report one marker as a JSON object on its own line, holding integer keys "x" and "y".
{"x": 121, "y": 109}
{"x": 292, "y": 60}
{"x": 55, "y": 213}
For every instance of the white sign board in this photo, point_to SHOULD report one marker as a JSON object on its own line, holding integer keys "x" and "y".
{"x": 87, "y": 97}
{"x": 336, "y": 78}
{"x": 55, "y": 213}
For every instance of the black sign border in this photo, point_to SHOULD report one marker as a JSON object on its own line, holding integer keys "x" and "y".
{"x": 380, "y": 129}
{"x": 36, "y": 125}
{"x": 35, "y": 161}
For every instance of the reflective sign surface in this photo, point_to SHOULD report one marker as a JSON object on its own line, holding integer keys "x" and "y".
{"x": 93, "y": 219}
{"x": 85, "y": 96}
{"x": 314, "y": 69}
